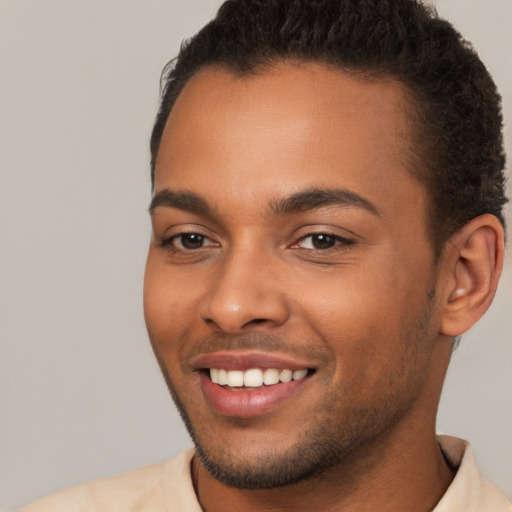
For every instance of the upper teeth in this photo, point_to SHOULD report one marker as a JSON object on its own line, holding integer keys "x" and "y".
{"x": 254, "y": 378}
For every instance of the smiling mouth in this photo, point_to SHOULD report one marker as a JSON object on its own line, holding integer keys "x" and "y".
{"x": 251, "y": 385}
{"x": 255, "y": 378}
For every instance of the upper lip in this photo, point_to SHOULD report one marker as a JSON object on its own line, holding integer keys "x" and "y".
{"x": 245, "y": 360}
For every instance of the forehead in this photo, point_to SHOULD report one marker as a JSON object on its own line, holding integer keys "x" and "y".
{"x": 288, "y": 127}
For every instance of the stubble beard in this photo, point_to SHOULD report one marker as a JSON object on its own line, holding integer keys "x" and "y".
{"x": 326, "y": 443}
{"x": 319, "y": 449}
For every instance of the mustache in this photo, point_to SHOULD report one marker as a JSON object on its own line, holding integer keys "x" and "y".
{"x": 262, "y": 342}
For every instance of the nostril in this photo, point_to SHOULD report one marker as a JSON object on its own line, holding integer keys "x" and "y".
{"x": 256, "y": 321}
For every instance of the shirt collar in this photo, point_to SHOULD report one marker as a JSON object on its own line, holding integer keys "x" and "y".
{"x": 469, "y": 491}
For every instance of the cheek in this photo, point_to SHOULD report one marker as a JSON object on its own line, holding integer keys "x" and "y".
{"x": 161, "y": 304}
{"x": 364, "y": 318}
{"x": 171, "y": 305}
{"x": 349, "y": 303}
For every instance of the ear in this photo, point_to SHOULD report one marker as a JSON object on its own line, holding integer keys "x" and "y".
{"x": 472, "y": 262}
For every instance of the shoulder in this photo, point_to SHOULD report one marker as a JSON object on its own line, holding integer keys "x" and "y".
{"x": 148, "y": 488}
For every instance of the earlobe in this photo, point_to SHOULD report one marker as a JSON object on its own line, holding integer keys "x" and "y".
{"x": 473, "y": 261}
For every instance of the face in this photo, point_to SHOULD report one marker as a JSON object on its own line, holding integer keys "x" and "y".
{"x": 289, "y": 290}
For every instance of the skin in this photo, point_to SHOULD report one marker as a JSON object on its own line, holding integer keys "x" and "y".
{"x": 372, "y": 314}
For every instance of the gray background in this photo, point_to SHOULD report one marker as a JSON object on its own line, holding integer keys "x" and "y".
{"x": 80, "y": 394}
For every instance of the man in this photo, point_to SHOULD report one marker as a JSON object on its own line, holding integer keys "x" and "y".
{"x": 327, "y": 220}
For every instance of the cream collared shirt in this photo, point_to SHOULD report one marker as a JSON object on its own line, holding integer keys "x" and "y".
{"x": 167, "y": 487}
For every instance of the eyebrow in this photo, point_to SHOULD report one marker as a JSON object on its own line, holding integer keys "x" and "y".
{"x": 310, "y": 199}
{"x": 315, "y": 198}
{"x": 187, "y": 201}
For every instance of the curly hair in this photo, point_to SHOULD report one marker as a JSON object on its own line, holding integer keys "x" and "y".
{"x": 457, "y": 121}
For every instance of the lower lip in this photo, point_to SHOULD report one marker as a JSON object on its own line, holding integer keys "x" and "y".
{"x": 245, "y": 404}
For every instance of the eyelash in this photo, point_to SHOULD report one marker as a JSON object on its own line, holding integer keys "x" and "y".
{"x": 168, "y": 243}
{"x": 340, "y": 243}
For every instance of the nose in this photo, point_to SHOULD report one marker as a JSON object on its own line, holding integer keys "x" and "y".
{"x": 244, "y": 292}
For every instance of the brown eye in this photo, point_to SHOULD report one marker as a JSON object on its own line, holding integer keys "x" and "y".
{"x": 187, "y": 241}
{"x": 190, "y": 241}
{"x": 319, "y": 241}
{"x": 323, "y": 241}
